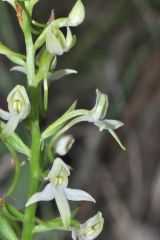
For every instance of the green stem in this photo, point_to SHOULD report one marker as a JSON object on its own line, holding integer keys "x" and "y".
{"x": 29, "y": 215}
{"x": 29, "y": 218}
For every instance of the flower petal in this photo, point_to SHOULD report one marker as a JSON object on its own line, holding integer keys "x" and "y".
{"x": 108, "y": 124}
{"x": 74, "y": 235}
{"x": 11, "y": 124}
{"x": 62, "y": 205}
{"x": 46, "y": 195}
{"x": 4, "y": 115}
{"x": 57, "y": 165}
{"x": 78, "y": 195}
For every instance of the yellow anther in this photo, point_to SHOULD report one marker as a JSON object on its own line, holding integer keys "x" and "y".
{"x": 89, "y": 231}
{"x": 17, "y": 105}
{"x": 58, "y": 180}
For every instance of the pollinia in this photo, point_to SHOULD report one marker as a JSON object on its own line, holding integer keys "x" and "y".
{"x": 39, "y": 67}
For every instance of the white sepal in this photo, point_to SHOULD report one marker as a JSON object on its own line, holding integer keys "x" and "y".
{"x": 55, "y": 41}
{"x": 100, "y": 108}
{"x": 77, "y": 14}
{"x": 108, "y": 124}
{"x": 46, "y": 195}
{"x": 59, "y": 170}
{"x": 78, "y": 195}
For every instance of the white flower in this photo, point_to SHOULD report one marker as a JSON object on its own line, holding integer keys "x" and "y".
{"x": 56, "y": 43}
{"x": 98, "y": 113}
{"x": 90, "y": 229}
{"x": 77, "y": 14}
{"x": 19, "y": 108}
{"x": 64, "y": 144}
{"x": 57, "y": 189}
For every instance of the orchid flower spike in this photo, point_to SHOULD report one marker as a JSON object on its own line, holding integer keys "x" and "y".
{"x": 12, "y": 2}
{"x": 57, "y": 189}
{"x": 56, "y": 43}
{"x": 19, "y": 108}
{"x": 90, "y": 229}
{"x": 64, "y": 144}
{"x": 97, "y": 115}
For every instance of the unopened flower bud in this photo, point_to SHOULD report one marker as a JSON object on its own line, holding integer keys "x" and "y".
{"x": 64, "y": 144}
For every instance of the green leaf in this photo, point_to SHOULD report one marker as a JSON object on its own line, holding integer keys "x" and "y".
{"x": 55, "y": 224}
{"x": 12, "y": 213}
{"x": 6, "y": 231}
{"x": 14, "y": 141}
{"x": 60, "y": 73}
{"x": 11, "y": 55}
{"x": 51, "y": 130}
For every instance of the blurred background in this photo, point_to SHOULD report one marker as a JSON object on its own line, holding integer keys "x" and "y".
{"x": 118, "y": 52}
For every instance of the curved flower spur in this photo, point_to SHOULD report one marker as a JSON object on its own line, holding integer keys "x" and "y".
{"x": 19, "y": 108}
{"x": 57, "y": 189}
